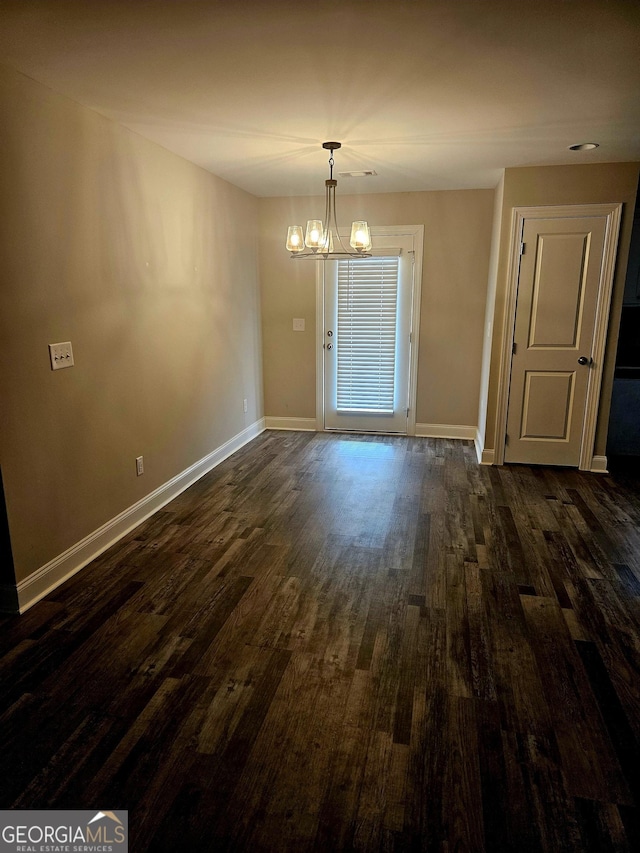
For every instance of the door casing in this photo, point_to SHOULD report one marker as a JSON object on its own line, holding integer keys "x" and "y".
{"x": 613, "y": 213}
{"x": 417, "y": 232}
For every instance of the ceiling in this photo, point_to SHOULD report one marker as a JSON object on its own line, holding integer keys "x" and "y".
{"x": 431, "y": 94}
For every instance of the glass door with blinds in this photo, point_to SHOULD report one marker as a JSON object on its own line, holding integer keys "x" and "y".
{"x": 367, "y": 342}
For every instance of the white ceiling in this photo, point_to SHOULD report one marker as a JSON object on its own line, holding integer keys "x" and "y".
{"x": 432, "y": 94}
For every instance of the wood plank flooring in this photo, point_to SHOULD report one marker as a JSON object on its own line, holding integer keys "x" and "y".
{"x": 346, "y": 642}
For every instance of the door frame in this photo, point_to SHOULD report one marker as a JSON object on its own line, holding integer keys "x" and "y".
{"x": 613, "y": 214}
{"x": 417, "y": 232}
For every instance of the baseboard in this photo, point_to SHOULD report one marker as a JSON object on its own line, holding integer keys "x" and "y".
{"x": 17, "y": 599}
{"x": 488, "y": 457}
{"x": 485, "y": 457}
{"x": 599, "y": 465}
{"x": 304, "y": 424}
{"x": 422, "y": 430}
{"x": 446, "y": 431}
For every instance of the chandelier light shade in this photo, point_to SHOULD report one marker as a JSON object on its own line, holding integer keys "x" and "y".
{"x": 295, "y": 240}
{"x": 314, "y": 238}
{"x": 360, "y": 236}
{"x": 322, "y": 239}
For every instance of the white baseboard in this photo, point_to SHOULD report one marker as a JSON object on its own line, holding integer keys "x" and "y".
{"x": 422, "y": 430}
{"x": 485, "y": 457}
{"x": 304, "y": 424}
{"x": 488, "y": 457}
{"x": 446, "y": 431}
{"x": 45, "y": 579}
{"x": 599, "y": 465}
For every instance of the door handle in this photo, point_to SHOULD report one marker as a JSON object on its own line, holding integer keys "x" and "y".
{"x": 584, "y": 360}
{"x": 329, "y": 346}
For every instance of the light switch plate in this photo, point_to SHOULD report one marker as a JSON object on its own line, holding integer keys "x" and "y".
{"x": 298, "y": 324}
{"x": 61, "y": 355}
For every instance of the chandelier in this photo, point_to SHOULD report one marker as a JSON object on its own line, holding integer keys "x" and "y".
{"x": 322, "y": 239}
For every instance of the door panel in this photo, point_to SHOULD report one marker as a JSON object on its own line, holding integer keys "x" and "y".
{"x": 554, "y": 326}
{"x": 547, "y": 405}
{"x": 558, "y": 295}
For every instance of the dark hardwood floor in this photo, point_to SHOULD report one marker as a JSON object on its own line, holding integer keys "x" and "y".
{"x": 342, "y": 642}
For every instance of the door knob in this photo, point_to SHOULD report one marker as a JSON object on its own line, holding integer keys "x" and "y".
{"x": 584, "y": 360}
{"x": 329, "y": 346}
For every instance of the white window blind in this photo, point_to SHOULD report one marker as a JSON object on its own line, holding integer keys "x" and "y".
{"x": 366, "y": 334}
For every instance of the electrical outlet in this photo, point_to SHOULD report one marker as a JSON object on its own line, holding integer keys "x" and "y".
{"x": 298, "y": 324}
{"x": 245, "y": 405}
{"x": 139, "y": 466}
{"x": 61, "y": 355}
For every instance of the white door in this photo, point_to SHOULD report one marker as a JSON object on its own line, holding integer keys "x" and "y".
{"x": 558, "y": 295}
{"x": 367, "y": 341}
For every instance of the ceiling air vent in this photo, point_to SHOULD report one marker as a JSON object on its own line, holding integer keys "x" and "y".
{"x": 364, "y": 173}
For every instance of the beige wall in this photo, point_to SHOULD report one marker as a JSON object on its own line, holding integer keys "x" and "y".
{"x": 148, "y": 265}
{"x": 454, "y": 285}
{"x": 543, "y": 185}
